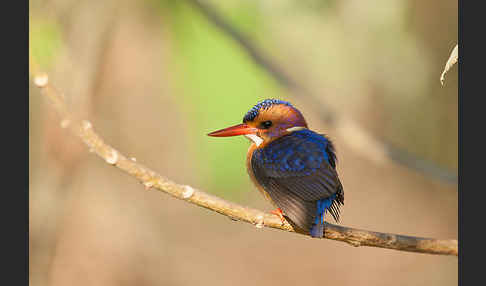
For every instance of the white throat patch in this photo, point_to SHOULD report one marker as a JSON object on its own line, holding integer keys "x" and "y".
{"x": 255, "y": 138}
{"x": 296, "y": 128}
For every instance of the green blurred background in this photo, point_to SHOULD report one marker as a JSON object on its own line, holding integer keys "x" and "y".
{"x": 154, "y": 77}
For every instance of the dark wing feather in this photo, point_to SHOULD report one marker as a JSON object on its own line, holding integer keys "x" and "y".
{"x": 296, "y": 171}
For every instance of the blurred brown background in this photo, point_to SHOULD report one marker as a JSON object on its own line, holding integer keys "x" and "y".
{"x": 155, "y": 76}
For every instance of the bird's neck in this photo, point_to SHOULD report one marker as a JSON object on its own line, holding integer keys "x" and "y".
{"x": 261, "y": 142}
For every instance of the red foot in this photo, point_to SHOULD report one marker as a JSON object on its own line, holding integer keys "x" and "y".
{"x": 278, "y": 212}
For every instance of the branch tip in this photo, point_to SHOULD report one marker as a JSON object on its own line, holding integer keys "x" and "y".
{"x": 450, "y": 62}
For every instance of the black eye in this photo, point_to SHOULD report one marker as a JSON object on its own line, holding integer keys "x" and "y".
{"x": 266, "y": 124}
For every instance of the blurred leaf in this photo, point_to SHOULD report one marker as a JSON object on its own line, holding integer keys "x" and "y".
{"x": 44, "y": 40}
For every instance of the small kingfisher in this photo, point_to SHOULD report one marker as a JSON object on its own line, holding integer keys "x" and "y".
{"x": 292, "y": 166}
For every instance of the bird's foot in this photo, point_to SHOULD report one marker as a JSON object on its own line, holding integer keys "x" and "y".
{"x": 278, "y": 212}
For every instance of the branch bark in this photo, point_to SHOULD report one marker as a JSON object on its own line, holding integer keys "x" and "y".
{"x": 150, "y": 179}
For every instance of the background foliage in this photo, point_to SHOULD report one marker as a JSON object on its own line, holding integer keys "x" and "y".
{"x": 155, "y": 77}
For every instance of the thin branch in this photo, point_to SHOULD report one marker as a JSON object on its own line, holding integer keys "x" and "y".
{"x": 150, "y": 179}
{"x": 372, "y": 148}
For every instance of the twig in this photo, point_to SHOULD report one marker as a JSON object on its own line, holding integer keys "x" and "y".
{"x": 450, "y": 62}
{"x": 150, "y": 179}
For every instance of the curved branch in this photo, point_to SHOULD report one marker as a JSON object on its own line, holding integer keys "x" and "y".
{"x": 150, "y": 179}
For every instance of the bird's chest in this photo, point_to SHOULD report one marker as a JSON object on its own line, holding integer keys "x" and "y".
{"x": 249, "y": 169}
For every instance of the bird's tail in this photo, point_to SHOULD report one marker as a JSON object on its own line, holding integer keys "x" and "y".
{"x": 317, "y": 229}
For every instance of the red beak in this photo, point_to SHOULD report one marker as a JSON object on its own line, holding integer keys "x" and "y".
{"x": 240, "y": 129}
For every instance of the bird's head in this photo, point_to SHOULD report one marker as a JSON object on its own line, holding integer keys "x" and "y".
{"x": 266, "y": 121}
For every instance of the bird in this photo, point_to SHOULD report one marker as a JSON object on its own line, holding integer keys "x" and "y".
{"x": 292, "y": 166}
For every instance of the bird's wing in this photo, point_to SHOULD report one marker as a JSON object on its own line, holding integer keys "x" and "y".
{"x": 296, "y": 171}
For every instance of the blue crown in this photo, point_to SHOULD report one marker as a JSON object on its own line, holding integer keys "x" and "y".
{"x": 264, "y": 104}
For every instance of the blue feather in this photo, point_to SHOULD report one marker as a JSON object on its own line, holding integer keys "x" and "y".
{"x": 292, "y": 172}
{"x": 279, "y": 153}
{"x": 317, "y": 229}
{"x": 264, "y": 104}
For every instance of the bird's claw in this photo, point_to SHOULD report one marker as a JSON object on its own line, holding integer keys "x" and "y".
{"x": 278, "y": 212}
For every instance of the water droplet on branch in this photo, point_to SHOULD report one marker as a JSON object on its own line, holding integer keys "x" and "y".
{"x": 41, "y": 80}
{"x": 112, "y": 158}
{"x": 189, "y": 191}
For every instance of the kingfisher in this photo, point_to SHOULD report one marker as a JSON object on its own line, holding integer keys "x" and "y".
{"x": 292, "y": 166}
